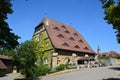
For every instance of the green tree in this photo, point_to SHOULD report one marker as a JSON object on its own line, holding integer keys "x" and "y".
{"x": 112, "y": 14}
{"x": 7, "y": 38}
{"x": 8, "y": 52}
{"x": 26, "y": 58}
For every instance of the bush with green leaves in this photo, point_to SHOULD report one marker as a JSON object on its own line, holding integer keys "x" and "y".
{"x": 32, "y": 73}
{"x": 43, "y": 70}
{"x": 26, "y": 57}
{"x": 61, "y": 67}
{"x": 104, "y": 57}
{"x": 71, "y": 66}
{"x": 2, "y": 72}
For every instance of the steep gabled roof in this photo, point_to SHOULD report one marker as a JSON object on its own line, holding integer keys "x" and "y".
{"x": 2, "y": 65}
{"x": 65, "y": 37}
{"x": 5, "y": 57}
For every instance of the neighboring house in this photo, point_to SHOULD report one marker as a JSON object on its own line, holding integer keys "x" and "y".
{"x": 6, "y": 63}
{"x": 3, "y": 68}
{"x": 107, "y": 58}
{"x": 111, "y": 54}
{"x": 62, "y": 44}
{"x": 110, "y": 58}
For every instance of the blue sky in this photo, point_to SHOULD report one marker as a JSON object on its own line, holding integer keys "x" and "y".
{"x": 86, "y": 16}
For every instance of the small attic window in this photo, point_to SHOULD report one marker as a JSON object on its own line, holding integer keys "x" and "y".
{"x": 39, "y": 28}
{"x": 67, "y": 31}
{"x": 76, "y": 46}
{"x": 71, "y": 38}
{"x": 75, "y": 34}
{"x": 80, "y": 40}
{"x": 60, "y": 36}
{"x": 63, "y": 27}
{"x": 65, "y": 44}
{"x": 56, "y": 28}
{"x": 86, "y": 48}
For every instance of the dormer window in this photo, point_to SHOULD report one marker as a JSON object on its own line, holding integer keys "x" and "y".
{"x": 86, "y": 48}
{"x": 63, "y": 27}
{"x": 39, "y": 28}
{"x": 56, "y": 28}
{"x": 60, "y": 36}
{"x": 65, "y": 44}
{"x": 67, "y": 31}
{"x": 71, "y": 38}
{"x": 75, "y": 34}
{"x": 76, "y": 46}
{"x": 80, "y": 41}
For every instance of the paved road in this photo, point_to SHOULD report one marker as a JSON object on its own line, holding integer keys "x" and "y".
{"x": 102, "y": 73}
{"x": 10, "y": 76}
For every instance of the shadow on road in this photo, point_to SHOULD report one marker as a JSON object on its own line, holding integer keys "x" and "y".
{"x": 29, "y": 79}
{"x": 112, "y": 79}
{"x": 115, "y": 68}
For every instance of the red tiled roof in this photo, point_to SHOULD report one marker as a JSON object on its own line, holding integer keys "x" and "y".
{"x": 65, "y": 37}
{"x": 111, "y": 53}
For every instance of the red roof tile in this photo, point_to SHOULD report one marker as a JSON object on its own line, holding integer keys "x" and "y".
{"x": 111, "y": 53}
{"x": 69, "y": 36}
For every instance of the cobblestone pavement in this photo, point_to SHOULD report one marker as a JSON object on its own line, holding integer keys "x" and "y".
{"x": 101, "y": 73}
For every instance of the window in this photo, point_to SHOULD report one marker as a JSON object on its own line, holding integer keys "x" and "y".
{"x": 46, "y": 61}
{"x": 65, "y": 44}
{"x": 67, "y": 31}
{"x": 75, "y": 34}
{"x": 40, "y": 37}
{"x": 71, "y": 38}
{"x": 76, "y": 46}
{"x": 39, "y": 28}
{"x": 56, "y": 28}
{"x": 80, "y": 40}
{"x": 63, "y": 27}
{"x": 86, "y": 48}
{"x": 60, "y": 36}
{"x": 58, "y": 61}
{"x": 47, "y": 43}
{"x": 67, "y": 60}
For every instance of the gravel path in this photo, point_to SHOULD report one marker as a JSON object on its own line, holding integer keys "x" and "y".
{"x": 101, "y": 73}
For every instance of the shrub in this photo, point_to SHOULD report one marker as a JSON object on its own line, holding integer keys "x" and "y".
{"x": 31, "y": 72}
{"x": 36, "y": 71}
{"x": 105, "y": 57}
{"x": 71, "y": 66}
{"x": 2, "y": 72}
{"x": 61, "y": 67}
{"x": 96, "y": 63}
{"x": 43, "y": 70}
